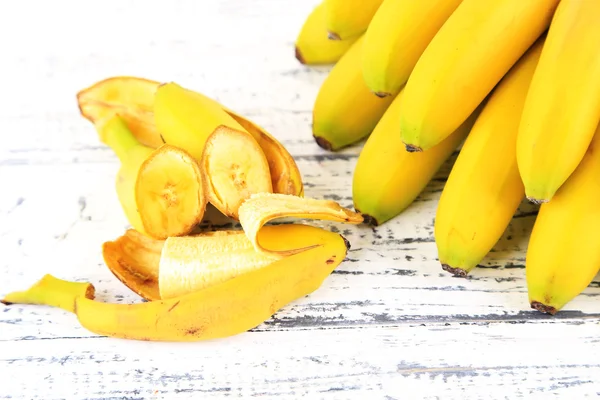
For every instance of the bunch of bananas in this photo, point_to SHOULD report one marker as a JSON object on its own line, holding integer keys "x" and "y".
{"x": 514, "y": 84}
{"x": 180, "y": 151}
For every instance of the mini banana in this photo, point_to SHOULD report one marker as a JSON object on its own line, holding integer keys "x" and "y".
{"x": 387, "y": 178}
{"x": 484, "y": 188}
{"x": 345, "y": 110}
{"x": 397, "y": 36}
{"x": 170, "y": 193}
{"x": 563, "y": 254}
{"x": 114, "y": 132}
{"x": 468, "y": 56}
{"x": 563, "y": 105}
{"x": 312, "y": 45}
{"x": 345, "y": 19}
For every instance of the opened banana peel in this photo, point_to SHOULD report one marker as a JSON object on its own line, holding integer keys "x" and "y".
{"x": 209, "y": 285}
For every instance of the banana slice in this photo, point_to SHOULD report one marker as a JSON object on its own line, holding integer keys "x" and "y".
{"x": 170, "y": 193}
{"x": 285, "y": 175}
{"x": 234, "y": 167}
{"x": 261, "y": 208}
{"x": 130, "y": 97}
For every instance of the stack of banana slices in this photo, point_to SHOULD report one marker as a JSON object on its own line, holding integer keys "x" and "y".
{"x": 513, "y": 84}
{"x": 179, "y": 152}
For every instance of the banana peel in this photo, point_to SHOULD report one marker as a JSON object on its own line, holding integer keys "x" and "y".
{"x": 134, "y": 99}
{"x": 234, "y": 303}
{"x": 209, "y": 285}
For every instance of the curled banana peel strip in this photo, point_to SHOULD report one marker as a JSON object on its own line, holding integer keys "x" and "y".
{"x": 261, "y": 208}
{"x": 133, "y": 99}
{"x": 210, "y": 285}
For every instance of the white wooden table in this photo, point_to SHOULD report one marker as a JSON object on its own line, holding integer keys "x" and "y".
{"x": 387, "y": 324}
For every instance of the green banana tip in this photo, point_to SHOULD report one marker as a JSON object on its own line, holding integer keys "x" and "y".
{"x": 458, "y": 272}
{"x": 543, "y": 308}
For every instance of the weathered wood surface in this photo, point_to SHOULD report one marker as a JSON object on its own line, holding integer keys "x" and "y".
{"x": 387, "y": 324}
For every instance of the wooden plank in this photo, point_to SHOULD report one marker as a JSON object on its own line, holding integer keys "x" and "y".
{"x": 456, "y": 361}
{"x": 391, "y": 275}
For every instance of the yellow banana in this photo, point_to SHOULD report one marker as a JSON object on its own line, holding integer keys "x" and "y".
{"x": 132, "y": 154}
{"x": 345, "y": 19}
{"x": 387, "y": 178}
{"x": 468, "y": 56}
{"x": 563, "y": 105}
{"x": 484, "y": 188}
{"x": 563, "y": 255}
{"x": 345, "y": 110}
{"x": 312, "y": 45}
{"x": 226, "y": 308}
{"x": 397, "y": 36}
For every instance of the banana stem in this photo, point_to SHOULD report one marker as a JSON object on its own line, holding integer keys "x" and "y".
{"x": 115, "y": 133}
{"x": 54, "y": 292}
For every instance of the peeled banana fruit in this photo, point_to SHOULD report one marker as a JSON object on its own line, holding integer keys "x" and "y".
{"x": 345, "y": 110}
{"x": 467, "y": 57}
{"x": 484, "y": 188}
{"x": 563, "y": 255}
{"x": 397, "y": 36}
{"x": 312, "y": 45}
{"x": 563, "y": 104}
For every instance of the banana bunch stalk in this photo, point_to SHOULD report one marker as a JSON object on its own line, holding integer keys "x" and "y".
{"x": 515, "y": 85}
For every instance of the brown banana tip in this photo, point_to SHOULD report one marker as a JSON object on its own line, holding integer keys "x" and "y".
{"x": 537, "y": 201}
{"x": 323, "y": 143}
{"x": 536, "y": 305}
{"x": 346, "y": 242}
{"x": 90, "y": 292}
{"x": 412, "y": 148}
{"x": 455, "y": 271}
{"x": 333, "y": 36}
{"x": 369, "y": 220}
{"x": 299, "y": 56}
{"x": 6, "y": 303}
{"x": 382, "y": 94}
